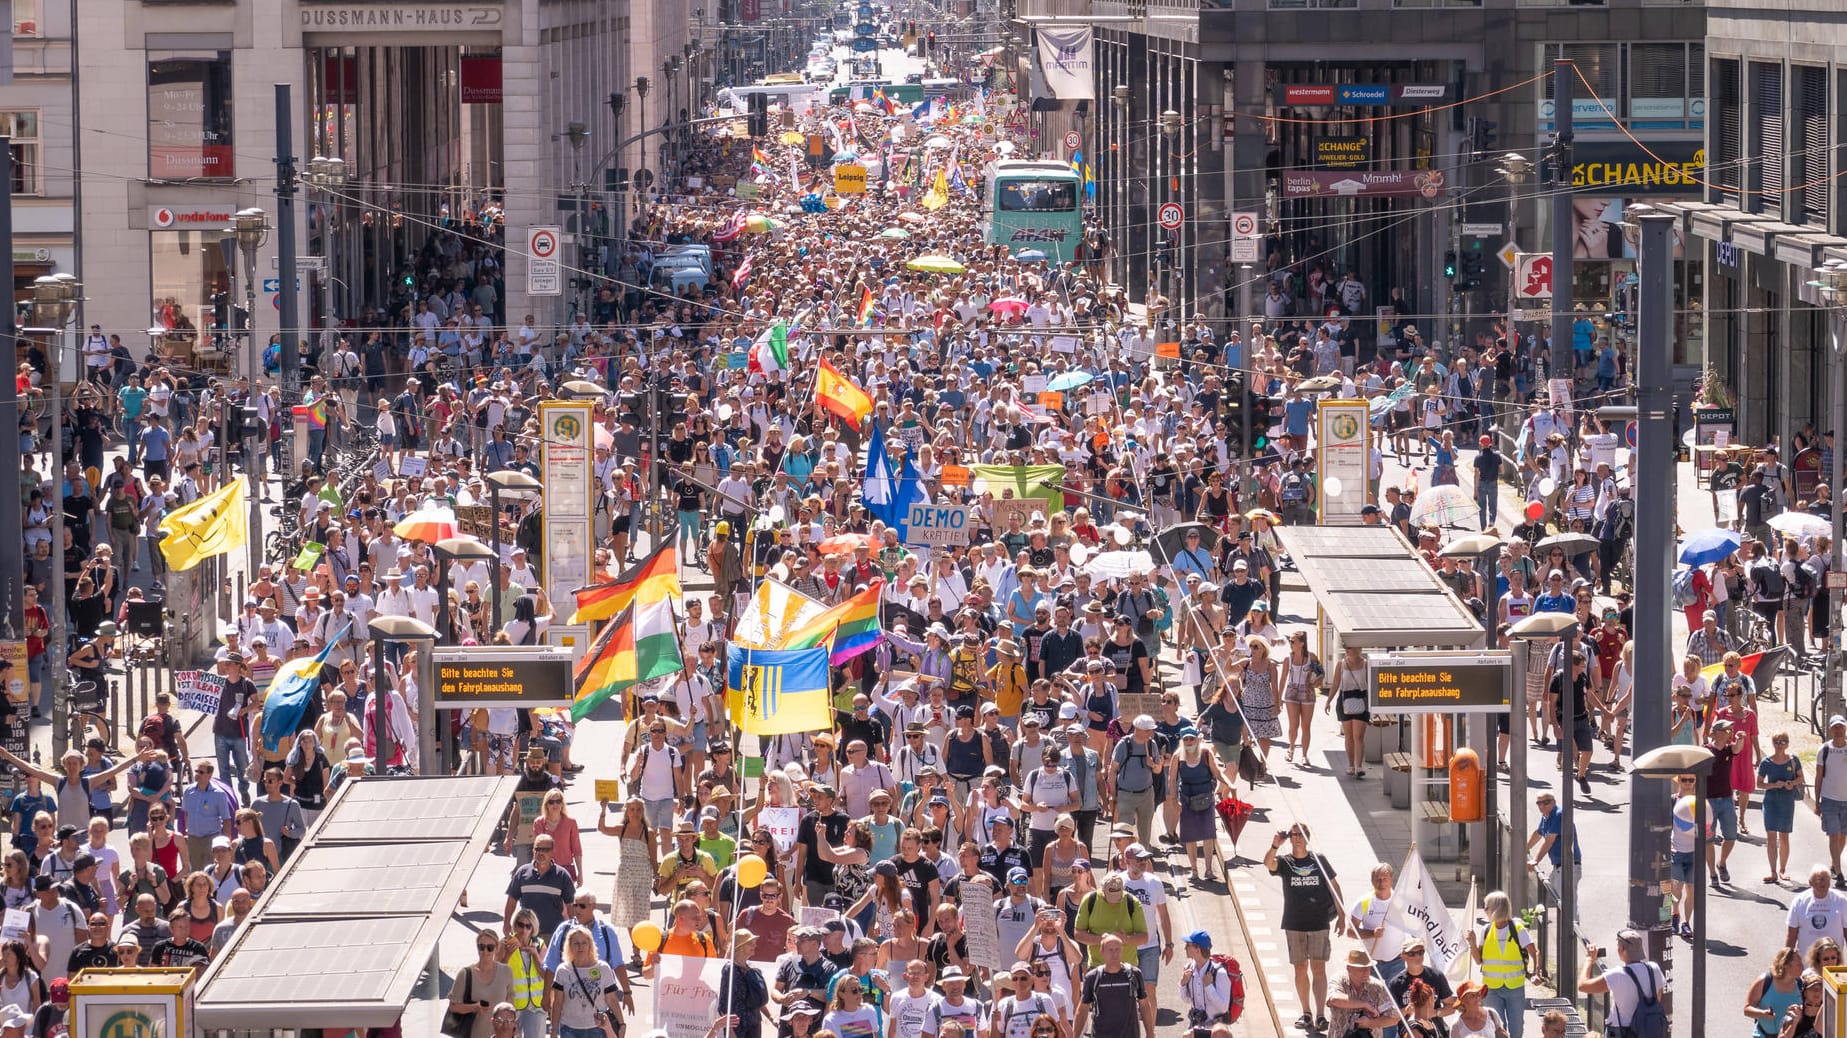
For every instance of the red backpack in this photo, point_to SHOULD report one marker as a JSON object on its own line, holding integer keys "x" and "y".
{"x": 1236, "y": 972}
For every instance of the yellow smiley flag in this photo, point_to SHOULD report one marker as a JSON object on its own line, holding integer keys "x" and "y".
{"x": 215, "y": 524}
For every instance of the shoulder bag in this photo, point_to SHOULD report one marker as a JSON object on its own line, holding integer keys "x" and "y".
{"x": 455, "y": 1024}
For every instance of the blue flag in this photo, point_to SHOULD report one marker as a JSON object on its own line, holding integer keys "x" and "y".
{"x": 879, "y": 489}
{"x": 778, "y": 691}
{"x": 921, "y": 111}
{"x": 294, "y": 685}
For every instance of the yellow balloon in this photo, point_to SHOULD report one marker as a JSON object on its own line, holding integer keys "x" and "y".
{"x": 647, "y": 936}
{"x": 751, "y": 871}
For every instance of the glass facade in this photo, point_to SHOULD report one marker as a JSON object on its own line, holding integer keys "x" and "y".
{"x": 190, "y": 116}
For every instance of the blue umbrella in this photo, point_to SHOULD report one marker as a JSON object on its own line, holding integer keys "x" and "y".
{"x": 1069, "y": 380}
{"x": 1706, "y": 546}
{"x": 1030, "y": 256}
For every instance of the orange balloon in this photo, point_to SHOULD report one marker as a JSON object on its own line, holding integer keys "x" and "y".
{"x": 647, "y": 936}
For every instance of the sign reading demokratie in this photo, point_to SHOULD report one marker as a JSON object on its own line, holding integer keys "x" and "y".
{"x": 519, "y": 676}
{"x": 1440, "y": 682}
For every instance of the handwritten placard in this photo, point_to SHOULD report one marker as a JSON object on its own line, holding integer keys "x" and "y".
{"x": 1064, "y": 344}
{"x": 685, "y": 992}
{"x": 199, "y": 690}
{"x": 608, "y": 791}
{"x": 381, "y": 470}
{"x": 17, "y": 921}
{"x": 980, "y": 923}
{"x": 1033, "y": 385}
{"x": 782, "y": 823}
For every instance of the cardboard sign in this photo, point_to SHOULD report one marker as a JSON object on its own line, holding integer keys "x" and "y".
{"x": 412, "y": 465}
{"x": 17, "y": 922}
{"x": 934, "y": 524}
{"x": 1170, "y": 350}
{"x": 982, "y": 928}
{"x": 954, "y": 475}
{"x": 685, "y": 990}
{"x": 381, "y": 470}
{"x": 849, "y": 180}
{"x": 1064, "y": 344}
{"x": 1033, "y": 385}
{"x": 1052, "y": 400}
{"x": 608, "y": 791}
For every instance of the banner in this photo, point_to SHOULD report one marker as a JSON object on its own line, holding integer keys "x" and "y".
{"x": 1418, "y": 910}
{"x": 685, "y": 992}
{"x": 1064, "y": 63}
{"x": 775, "y": 612}
{"x": 778, "y": 691}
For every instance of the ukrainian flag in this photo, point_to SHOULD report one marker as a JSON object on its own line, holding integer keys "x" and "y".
{"x": 778, "y": 691}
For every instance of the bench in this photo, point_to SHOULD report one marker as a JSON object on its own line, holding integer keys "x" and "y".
{"x": 1446, "y": 839}
{"x": 1377, "y": 734}
{"x": 1398, "y": 779}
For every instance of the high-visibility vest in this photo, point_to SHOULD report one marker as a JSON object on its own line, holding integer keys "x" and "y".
{"x": 528, "y": 990}
{"x": 1502, "y": 965}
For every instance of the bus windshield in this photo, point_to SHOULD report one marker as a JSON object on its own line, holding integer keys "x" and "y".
{"x": 1036, "y": 196}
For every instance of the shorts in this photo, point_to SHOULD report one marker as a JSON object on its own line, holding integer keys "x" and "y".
{"x": 1308, "y": 946}
{"x": 387, "y": 442}
{"x": 1348, "y": 707}
{"x": 1683, "y": 866}
{"x": 701, "y": 741}
{"x": 500, "y": 749}
{"x": 1724, "y": 817}
{"x": 1299, "y": 694}
{"x": 1584, "y": 736}
{"x": 1833, "y": 816}
{"x": 1149, "y": 959}
{"x": 1037, "y": 841}
{"x": 659, "y": 813}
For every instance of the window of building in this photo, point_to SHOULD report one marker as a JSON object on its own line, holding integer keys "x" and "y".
{"x": 188, "y": 271}
{"x": 22, "y": 127}
{"x": 28, "y": 18}
{"x": 190, "y": 116}
{"x": 1766, "y": 159}
{"x": 1808, "y": 117}
{"x": 1725, "y": 165}
{"x": 1598, "y": 106}
{"x": 1659, "y": 95}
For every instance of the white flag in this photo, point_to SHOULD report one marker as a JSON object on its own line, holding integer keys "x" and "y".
{"x": 1465, "y": 963}
{"x": 774, "y": 611}
{"x": 1418, "y": 910}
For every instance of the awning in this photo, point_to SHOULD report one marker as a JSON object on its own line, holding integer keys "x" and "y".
{"x": 1376, "y": 593}
{"x": 342, "y": 935}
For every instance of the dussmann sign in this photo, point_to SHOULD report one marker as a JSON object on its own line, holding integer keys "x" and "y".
{"x": 1628, "y": 168}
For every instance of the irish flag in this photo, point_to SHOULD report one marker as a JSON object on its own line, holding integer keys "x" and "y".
{"x": 770, "y": 353}
{"x": 639, "y": 645}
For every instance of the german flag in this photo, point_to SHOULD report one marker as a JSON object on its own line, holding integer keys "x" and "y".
{"x": 654, "y": 578}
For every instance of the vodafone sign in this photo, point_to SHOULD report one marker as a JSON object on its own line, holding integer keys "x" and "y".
{"x": 168, "y": 217}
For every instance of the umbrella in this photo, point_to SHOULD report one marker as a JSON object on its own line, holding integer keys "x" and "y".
{"x": 426, "y": 524}
{"x": 862, "y": 107}
{"x": 1708, "y": 546}
{"x": 1169, "y": 543}
{"x": 1800, "y": 525}
{"x": 1443, "y": 505}
{"x": 894, "y": 232}
{"x": 1234, "y": 813}
{"x": 939, "y": 141}
{"x": 1008, "y": 305}
{"x": 1117, "y": 565}
{"x": 1069, "y": 380}
{"x": 844, "y": 543}
{"x": 936, "y": 265}
{"x": 1319, "y": 384}
{"x": 910, "y": 218}
{"x": 791, "y": 137}
{"x": 1572, "y": 543}
{"x": 1263, "y": 513}
{"x": 757, "y": 223}
{"x": 1031, "y": 256}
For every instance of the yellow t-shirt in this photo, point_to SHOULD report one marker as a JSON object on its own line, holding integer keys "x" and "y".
{"x": 1009, "y": 681}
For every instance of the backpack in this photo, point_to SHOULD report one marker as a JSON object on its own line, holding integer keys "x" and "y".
{"x": 1649, "y": 1019}
{"x": 1294, "y": 489}
{"x": 1235, "y": 971}
{"x": 1804, "y": 584}
{"x": 1769, "y": 578}
{"x": 1684, "y": 593}
{"x": 1147, "y": 767}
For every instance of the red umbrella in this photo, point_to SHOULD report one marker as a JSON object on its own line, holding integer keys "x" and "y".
{"x": 844, "y": 543}
{"x": 1009, "y": 305}
{"x": 1234, "y": 813}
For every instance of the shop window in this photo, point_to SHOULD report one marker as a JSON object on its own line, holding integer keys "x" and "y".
{"x": 28, "y": 18}
{"x": 188, "y": 271}
{"x": 1658, "y": 94}
{"x": 190, "y": 116}
{"x": 22, "y": 127}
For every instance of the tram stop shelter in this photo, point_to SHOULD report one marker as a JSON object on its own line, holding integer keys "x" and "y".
{"x": 1374, "y": 592}
{"x": 343, "y": 935}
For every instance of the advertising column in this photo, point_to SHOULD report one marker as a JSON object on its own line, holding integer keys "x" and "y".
{"x": 570, "y": 499}
{"x": 1343, "y": 464}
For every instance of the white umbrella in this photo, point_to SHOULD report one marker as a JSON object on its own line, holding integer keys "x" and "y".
{"x": 939, "y": 141}
{"x": 1117, "y": 565}
{"x": 1800, "y": 525}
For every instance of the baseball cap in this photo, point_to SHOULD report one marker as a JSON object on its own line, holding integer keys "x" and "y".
{"x": 1200, "y": 939}
{"x": 1017, "y": 875}
{"x": 1136, "y": 850}
{"x": 1144, "y": 723}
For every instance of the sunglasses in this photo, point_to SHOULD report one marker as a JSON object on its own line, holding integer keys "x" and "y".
{"x": 484, "y": 947}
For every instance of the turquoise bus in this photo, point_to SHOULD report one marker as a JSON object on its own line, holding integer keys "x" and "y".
{"x": 1035, "y": 205}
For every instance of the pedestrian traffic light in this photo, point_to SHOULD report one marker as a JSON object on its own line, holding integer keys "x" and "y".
{"x": 1474, "y": 270}
{"x": 759, "y": 120}
{"x": 1449, "y": 264}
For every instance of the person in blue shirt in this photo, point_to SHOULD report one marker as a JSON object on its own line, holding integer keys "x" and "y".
{"x": 1297, "y": 410}
{"x": 133, "y": 398}
{"x": 25, "y": 807}
{"x": 1556, "y": 598}
{"x": 156, "y": 445}
{"x": 1545, "y": 838}
{"x": 1023, "y": 601}
{"x": 1606, "y": 367}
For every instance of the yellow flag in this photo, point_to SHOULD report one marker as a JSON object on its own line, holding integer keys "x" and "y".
{"x": 213, "y": 525}
{"x": 938, "y": 195}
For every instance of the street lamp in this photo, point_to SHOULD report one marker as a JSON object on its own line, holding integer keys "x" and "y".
{"x": 641, "y": 94}
{"x": 1562, "y": 628}
{"x": 1671, "y": 762}
{"x": 252, "y": 228}
{"x": 1484, "y": 549}
{"x": 454, "y": 549}
{"x": 618, "y": 104}
{"x": 397, "y": 629}
{"x": 512, "y": 481}
{"x": 328, "y": 174}
{"x": 1170, "y": 133}
{"x": 1831, "y": 282}
{"x": 54, "y": 298}
{"x": 1514, "y": 168}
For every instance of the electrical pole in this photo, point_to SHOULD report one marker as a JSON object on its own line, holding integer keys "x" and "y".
{"x": 12, "y": 563}
{"x": 1562, "y": 364}
{"x": 1654, "y": 544}
{"x": 290, "y": 356}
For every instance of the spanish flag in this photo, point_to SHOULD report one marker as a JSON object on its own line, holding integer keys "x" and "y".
{"x": 778, "y": 692}
{"x": 655, "y": 578}
{"x": 865, "y": 305}
{"x": 838, "y": 394}
{"x": 215, "y": 524}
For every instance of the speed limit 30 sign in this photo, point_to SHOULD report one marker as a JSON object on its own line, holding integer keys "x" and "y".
{"x": 1073, "y": 140}
{"x": 1171, "y": 216}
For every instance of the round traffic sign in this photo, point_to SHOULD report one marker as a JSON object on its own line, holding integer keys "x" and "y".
{"x": 544, "y": 243}
{"x": 1171, "y": 215}
{"x": 1631, "y": 433}
{"x": 1073, "y": 140}
{"x": 1244, "y": 225}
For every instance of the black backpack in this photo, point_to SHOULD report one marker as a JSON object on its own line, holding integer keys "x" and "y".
{"x": 1804, "y": 584}
{"x": 1769, "y": 579}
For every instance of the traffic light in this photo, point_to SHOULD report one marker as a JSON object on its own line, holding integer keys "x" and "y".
{"x": 930, "y": 43}
{"x": 1474, "y": 270}
{"x": 1484, "y": 136}
{"x": 1449, "y": 264}
{"x": 759, "y": 120}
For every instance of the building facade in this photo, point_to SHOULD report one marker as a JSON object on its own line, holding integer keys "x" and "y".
{"x": 36, "y": 115}
{"x": 1361, "y": 136}
{"x": 481, "y": 116}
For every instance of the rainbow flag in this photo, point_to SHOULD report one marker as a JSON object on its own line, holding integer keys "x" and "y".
{"x": 865, "y": 305}
{"x": 852, "y": 627}
{"x": 884, "y": 103}
{"x": 315, "y": 413}
{"x": 759, "y": 162}
{"x": 654, "y": 578}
